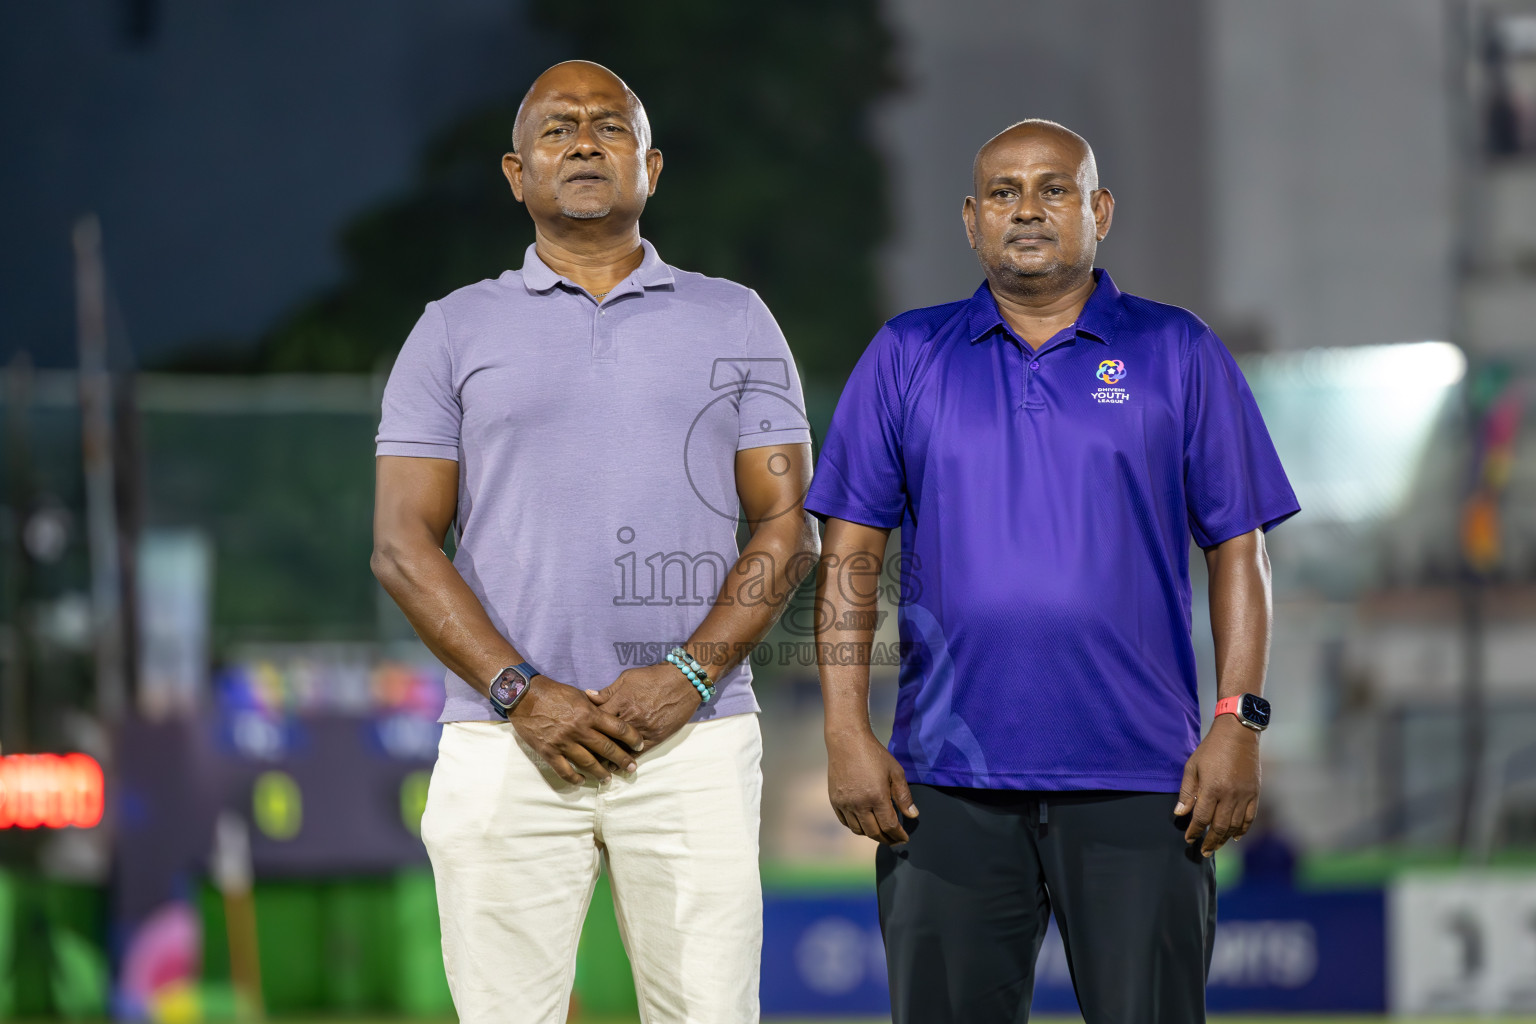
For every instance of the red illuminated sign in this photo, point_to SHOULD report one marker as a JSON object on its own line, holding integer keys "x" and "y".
{"x": 50, "y": 791}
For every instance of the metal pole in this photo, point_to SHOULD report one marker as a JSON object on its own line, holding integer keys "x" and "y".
{"x": 100, "y": 484}
{"x": 18, "y": 655}
{"x": 1463, "y": 27}
{"x": 1473, "y": 699}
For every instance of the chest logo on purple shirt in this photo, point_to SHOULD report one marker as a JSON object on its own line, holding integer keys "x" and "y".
{"x": 1111, "y": 372}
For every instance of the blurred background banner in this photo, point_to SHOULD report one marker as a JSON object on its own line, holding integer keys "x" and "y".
{"x": 221, "y": 220}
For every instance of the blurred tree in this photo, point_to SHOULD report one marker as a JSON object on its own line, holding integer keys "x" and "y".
{"x": 771, "y": 179}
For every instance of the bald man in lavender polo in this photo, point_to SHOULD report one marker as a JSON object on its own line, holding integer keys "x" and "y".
{"x": 589, "y": 427}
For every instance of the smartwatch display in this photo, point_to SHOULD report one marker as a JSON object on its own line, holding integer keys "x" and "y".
{"x": 1250, "y": 709}
{"x": 510, "y": 686}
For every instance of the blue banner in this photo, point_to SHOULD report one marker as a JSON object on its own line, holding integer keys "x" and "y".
{"x": 1276, "y": 949}
{"x": 822, "y": 955}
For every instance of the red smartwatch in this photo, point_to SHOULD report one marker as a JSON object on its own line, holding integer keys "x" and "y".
{"x": 1250, "y": 709}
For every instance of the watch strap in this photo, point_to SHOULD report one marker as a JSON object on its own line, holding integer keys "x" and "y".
{"x": 1229, "y": 706}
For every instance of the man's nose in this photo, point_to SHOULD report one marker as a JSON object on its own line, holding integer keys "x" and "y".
{"x": 585, "y": 141}
{"x": 1028, "y": 209}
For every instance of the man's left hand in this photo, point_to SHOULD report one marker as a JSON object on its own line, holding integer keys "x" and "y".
{"x": 657, "y": 700}
{"x": 1221, "y": 785}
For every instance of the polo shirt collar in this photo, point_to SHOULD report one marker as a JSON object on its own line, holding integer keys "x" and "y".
{"x": 651, "y": 273}
{"x": 1098, "y": 320}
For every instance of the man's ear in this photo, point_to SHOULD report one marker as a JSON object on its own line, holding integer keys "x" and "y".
{"x": 512, "y": 167}
{"x": 1103, "y": 211}
{"x": 968, "y": 216}
{"x": 652, "y": 169}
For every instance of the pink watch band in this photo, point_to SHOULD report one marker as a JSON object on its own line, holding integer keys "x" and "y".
{"x": 1228, "y": 706}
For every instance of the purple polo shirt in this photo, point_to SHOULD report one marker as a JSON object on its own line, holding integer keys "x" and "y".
{"x": 596, "y": 445}
{"x": 1046, "y": 502}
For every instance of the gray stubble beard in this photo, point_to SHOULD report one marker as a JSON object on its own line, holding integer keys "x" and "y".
{"x": 1044, "y": 282}
{"x": 596, "y": 214}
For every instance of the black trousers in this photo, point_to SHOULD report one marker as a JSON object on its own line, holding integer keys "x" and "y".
{"x": 964, "y": 906}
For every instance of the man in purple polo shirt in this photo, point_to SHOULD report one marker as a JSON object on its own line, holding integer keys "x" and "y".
{"x": 1048, "y": 447}
{"x": 590, "y": 426}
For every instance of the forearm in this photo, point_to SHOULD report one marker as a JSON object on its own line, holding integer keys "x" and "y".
{"x": 1220, "y": 789}
{"x": 847, "y": 603}
{"x": 845, "y": 688}
{"x": 443, "y": 611}
{"x": 776, "y": 559}
{"x": 1241, "y": 613}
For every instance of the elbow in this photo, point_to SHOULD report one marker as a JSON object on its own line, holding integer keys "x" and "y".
{"x": 790, "y": 543}
{"x": 810, "y": 538}
{"x": 804, "y": 550}
{"x": 385, "y": 561}
{"x": 380, "y": 565}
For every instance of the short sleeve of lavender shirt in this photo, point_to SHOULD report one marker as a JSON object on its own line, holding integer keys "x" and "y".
{"x": 1233, "y": 480}
{"x": 421, "y": 414}
{"x": 769, "y": 415}
{"x": 859, "y": 477}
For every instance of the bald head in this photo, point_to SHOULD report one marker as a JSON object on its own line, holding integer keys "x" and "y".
{"x": 581, "y": 157}
{"x": 1038, "y": 213}
{"x": 1035, "y": 128}
{"x": 580, "y": 77}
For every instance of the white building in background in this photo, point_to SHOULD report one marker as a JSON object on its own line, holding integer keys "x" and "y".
{"x": 1285, "y": 170}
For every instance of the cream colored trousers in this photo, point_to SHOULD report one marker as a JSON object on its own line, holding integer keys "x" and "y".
{"x": 515, "y": 851}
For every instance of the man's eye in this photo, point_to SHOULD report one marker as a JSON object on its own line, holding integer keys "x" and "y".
{"x": 1055, "y": 190}
{"x": 1003, "y": 193}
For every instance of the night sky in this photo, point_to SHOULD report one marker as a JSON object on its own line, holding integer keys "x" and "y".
{"x": 222, "y": 145}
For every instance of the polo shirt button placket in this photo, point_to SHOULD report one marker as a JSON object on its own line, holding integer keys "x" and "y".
{"x": 1032, "y": 398}
{"x": 603, "y": 347}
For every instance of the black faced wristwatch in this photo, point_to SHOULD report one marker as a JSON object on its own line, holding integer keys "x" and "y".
{"x": 510, "y": 686}
{"x": 1250, "y": 709}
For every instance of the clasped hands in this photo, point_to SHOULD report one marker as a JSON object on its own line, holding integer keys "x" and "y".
{"x": 593, "y": 733}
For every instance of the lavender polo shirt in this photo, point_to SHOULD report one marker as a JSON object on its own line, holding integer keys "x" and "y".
{"x": 596, "y": 446}
{"x": 1046, "y": 502}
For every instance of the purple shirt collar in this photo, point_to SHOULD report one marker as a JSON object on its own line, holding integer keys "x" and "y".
{"x": 651, "y": 273}
{"x": 1098, "y": 319}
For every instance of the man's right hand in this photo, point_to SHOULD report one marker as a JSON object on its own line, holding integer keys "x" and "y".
{"x": 866, "y": 786}
{"x": 573, "y": 736}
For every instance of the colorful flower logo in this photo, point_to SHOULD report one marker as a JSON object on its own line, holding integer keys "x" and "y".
{"x": 1111, "y": 371}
